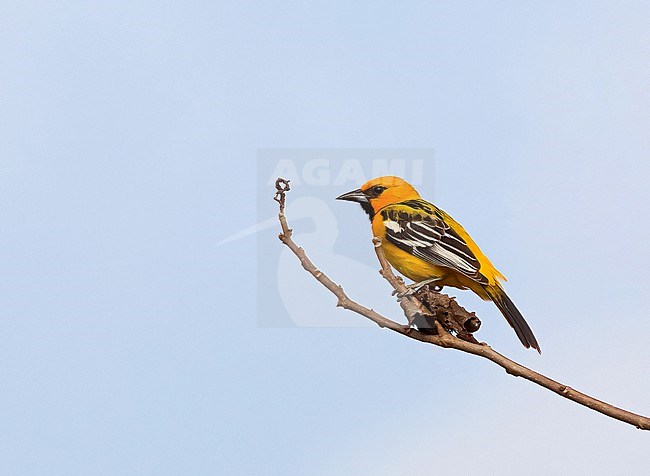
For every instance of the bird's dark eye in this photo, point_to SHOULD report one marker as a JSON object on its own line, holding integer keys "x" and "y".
{"x": 374, "y": 192}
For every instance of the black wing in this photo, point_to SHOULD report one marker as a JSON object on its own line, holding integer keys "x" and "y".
{"x": 429, "y": 238}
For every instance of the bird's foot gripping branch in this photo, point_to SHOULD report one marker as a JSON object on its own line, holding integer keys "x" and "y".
{"x": 450, "y": 325}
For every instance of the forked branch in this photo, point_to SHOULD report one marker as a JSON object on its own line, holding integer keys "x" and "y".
{"x": 412, "y": 307}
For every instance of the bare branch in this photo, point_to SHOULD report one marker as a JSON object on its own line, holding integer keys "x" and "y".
{"x": 412, "y": 307}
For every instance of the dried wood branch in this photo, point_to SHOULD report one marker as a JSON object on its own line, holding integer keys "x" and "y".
{"x": 448, "y": 316}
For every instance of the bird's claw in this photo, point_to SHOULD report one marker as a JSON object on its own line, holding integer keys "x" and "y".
{"x": 401, "y": 295}
{"x": 415, "y": 287}
{"x": 411, "y": 289}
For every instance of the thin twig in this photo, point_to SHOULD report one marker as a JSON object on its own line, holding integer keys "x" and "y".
{"x": 411, "y": 307}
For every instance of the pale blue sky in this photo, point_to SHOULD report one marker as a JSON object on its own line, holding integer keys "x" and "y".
{"x": 129, "y": 341}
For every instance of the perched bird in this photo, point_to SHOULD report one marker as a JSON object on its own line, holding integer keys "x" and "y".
{"x": 428, "y": 246}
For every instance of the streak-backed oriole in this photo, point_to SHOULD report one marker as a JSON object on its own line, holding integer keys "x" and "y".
{"x": 425, "y": 244}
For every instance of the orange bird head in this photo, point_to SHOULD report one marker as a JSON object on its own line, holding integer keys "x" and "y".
{"x": 379, "y": 192}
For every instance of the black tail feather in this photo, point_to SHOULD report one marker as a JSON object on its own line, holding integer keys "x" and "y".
{"x": 515, "y": 319}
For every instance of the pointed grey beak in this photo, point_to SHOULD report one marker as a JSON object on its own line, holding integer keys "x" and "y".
{"x": 354, "y": 196}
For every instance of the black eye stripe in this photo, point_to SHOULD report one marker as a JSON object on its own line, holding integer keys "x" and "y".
{"x": 374, "y": 192}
